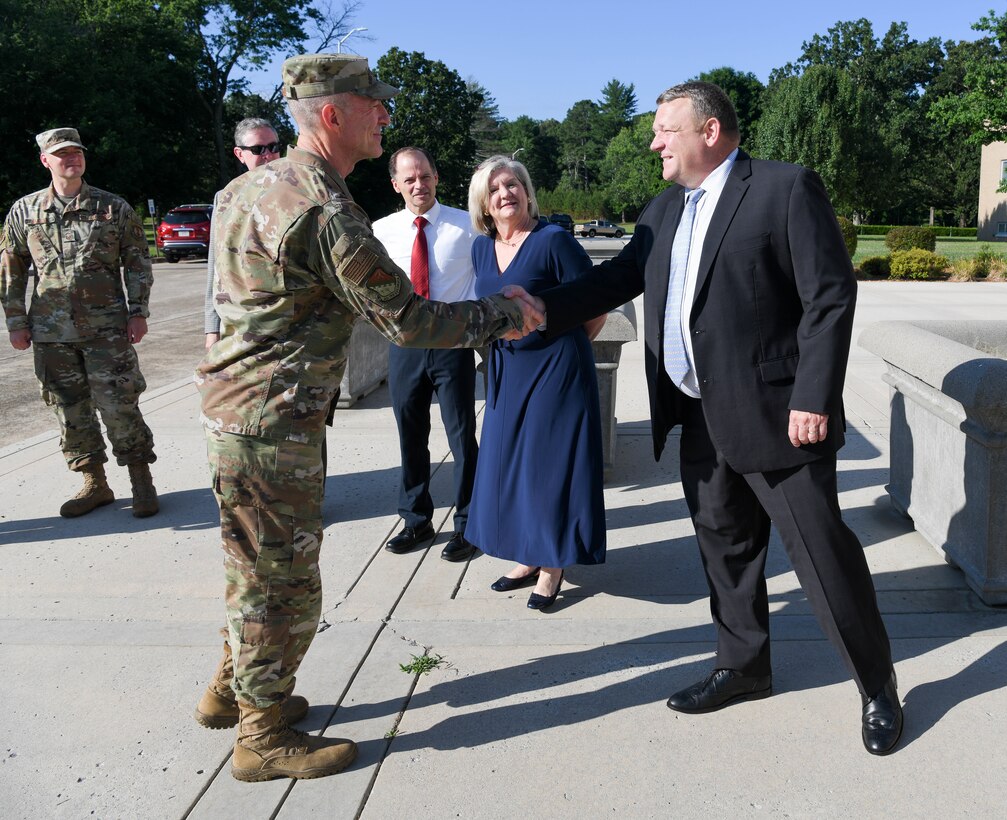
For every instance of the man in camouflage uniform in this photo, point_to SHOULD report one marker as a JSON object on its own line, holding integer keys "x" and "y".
{"x": 81, "y": 323}
{"x": 297, "y": 264}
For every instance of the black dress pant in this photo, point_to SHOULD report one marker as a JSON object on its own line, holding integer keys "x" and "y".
{"x": 414, "y": 376}
{"x": 732, "y": 512}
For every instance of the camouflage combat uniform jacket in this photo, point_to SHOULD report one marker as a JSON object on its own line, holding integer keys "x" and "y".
{"x": 297, "y": 263}
{"x": 78, "y": 290}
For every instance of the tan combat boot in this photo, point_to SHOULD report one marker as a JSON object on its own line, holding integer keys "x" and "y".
{"x": 218, "y": 708}
{"x": 144, "y": 495}
{"x": 95, "y": 493}
{"x": 267, "y": 748}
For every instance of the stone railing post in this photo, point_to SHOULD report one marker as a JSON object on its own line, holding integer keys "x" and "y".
{"x": 620, "y": 327}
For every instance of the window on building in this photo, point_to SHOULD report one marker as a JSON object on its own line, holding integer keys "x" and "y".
{"x": 1001, "y": 229}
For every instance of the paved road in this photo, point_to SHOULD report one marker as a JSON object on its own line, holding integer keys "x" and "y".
{"x": 170, "y": 351}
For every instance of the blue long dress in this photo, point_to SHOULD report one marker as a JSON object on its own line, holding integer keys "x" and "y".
{"x": 538, "y": 489}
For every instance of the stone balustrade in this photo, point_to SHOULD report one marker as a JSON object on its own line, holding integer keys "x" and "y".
{"x": 949, "y": 439}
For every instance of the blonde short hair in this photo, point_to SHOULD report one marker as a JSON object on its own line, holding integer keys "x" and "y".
{"x": 479, "y": 191}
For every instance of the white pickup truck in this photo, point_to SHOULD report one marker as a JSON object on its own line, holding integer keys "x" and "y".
{"x": 598, "y": 227}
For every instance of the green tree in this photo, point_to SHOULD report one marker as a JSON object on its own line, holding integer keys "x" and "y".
{"x": 888, "y": 77}
{"x": 822, "y": 120}
{"x": 949, "y": 179}
{"x": 248, "y": 34}
{"x": 582, "y": 144}
{"x": 539, "y": 152}
{"x": 241, "y": 104}
{"x": 133, "y": 106}
{"x": 616, "y": 108}
{"x": 436, "y": 111}
{"x": 980, "y": 108}
{"x": 633, "y": 170}
{"x": 745, "y": 91}
{"x": 487, "y": 125}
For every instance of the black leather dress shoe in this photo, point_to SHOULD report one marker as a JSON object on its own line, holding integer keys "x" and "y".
{"x": 722, "y": 688}
{"x": 540, "y": 602}
{"x": 505, "y": 584}
{"x": 458, "y": 549}
{"x": 410, "y": 537}
{"x": 883, "y": 720}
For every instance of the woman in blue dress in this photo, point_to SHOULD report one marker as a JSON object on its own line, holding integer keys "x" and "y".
{"x": 538, "y": 496}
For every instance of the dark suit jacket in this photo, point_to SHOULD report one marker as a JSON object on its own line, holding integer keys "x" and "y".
{"x": 772, "y": 316}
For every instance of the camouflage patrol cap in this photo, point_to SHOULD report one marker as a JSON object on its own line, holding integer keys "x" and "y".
{"x": 319, "y": 75}
{"x": 55, "y": 138}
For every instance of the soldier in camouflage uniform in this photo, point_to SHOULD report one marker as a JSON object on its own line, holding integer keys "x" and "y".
{"x": 297, "y": 264}
{"x": 81, "y": 323}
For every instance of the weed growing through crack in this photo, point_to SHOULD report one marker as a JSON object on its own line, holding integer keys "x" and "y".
{"x": 422, "y": 664}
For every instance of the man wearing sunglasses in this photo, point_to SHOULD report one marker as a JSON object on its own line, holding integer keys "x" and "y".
{"x": 255, "y": 144}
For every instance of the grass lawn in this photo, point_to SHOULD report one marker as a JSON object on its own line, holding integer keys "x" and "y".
{"x": 952, "y": 247}
{"x": 148, "y": 227}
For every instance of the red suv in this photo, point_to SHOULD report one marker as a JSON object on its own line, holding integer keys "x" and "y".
{"x": 185, "y": 231}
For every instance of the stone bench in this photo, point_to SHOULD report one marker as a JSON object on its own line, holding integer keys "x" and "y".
{"x": 949, "y": 439}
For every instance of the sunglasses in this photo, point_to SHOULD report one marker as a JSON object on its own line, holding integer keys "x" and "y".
{"x": 272, "y": 148}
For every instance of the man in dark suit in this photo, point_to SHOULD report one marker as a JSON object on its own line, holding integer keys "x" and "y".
{"x": 748, "y": 303}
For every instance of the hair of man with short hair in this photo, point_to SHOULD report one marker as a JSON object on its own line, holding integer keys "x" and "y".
{"x": 708, "y": 101}
{"x": 250, "y": 124}
{"x": 393, "y": 159}
{"x": 306, "y": 111}
{"x": 479, "y": 191}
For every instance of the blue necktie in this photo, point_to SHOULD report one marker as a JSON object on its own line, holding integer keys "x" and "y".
{"x": 676, "y": 359}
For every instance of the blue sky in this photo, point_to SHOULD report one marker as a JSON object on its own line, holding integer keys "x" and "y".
{"x": 539, "y": 58}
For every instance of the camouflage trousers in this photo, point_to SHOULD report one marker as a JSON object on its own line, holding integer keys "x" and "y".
{"x": 101, "y": 372}
{"x": 270, "y": 496}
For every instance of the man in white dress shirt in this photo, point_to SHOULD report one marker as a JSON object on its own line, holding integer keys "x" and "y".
{"x": 434, "y": 244}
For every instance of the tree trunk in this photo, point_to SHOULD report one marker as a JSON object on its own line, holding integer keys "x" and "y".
{"x": 223, "y": 167}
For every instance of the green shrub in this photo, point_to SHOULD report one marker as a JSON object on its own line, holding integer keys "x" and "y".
{"x": 907, "y": 238}
{"x": 916, "y": 263}
{"x": 876, "y": 266}
{"x": 963, "y": 270}
{"x": 987, "y": 261}
{"x": 849, "y": 234}
{"x": 939, "y": 231}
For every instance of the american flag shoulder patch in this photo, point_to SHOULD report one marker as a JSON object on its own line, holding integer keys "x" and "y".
{"x": 359, "y": 265}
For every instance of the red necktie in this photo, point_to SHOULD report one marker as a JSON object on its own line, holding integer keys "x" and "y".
{"x": 420, "y": 264}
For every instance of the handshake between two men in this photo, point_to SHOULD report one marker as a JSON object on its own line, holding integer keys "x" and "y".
{"x": 532, "y": 311}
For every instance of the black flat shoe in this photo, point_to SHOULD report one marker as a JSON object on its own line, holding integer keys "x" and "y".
{"x": 410, "y": 537}
{"x": 505, "y": 584}
{"x": 722, "y": 688}
{"x": 883, "y": 720}
{"x": 541, "y": 602}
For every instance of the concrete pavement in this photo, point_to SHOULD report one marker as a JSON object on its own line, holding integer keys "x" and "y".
{"x": 108, "y": 633}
